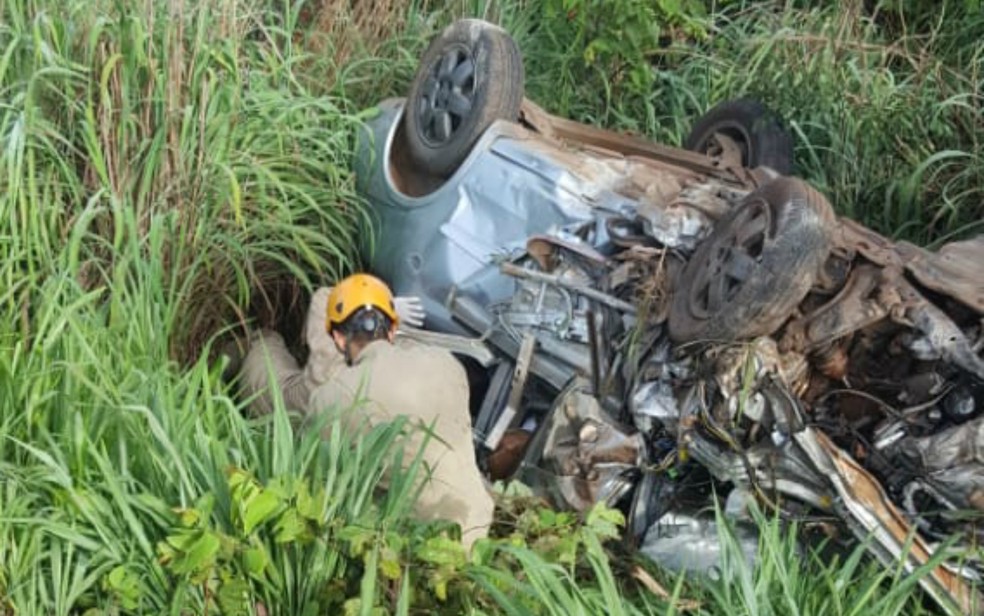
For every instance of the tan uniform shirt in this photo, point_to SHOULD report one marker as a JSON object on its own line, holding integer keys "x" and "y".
{"x": 268, "y": 356}
{"x": 427, "y": 386}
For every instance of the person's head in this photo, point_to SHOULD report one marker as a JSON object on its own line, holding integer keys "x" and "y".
{"x": 360, "y": 311}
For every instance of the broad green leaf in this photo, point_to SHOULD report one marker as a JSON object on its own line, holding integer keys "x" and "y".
{"x": 255, "y": 561}
{"x": 358, "y": 537}
{"x": 605, "y": 521}
{"x": 125, "y": 586}
{"x": 442, "y": 551}
{"x": 259, "y": 509}
{"x": 290, "y": 527}
{"x": 389, "y": 564}
{"x": 188, "y": 517}
{"x": 312, "y": 506}
{"x": 234, "y": 596}
{"x": 183, "y": 539}
{"x": 199, "y": 555}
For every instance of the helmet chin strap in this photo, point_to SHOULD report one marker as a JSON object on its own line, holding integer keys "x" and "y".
{"x": 344, "y": 345}
{"x": 347, "y": 352}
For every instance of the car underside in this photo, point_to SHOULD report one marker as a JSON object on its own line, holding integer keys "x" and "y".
{"x": 671, "y": 331}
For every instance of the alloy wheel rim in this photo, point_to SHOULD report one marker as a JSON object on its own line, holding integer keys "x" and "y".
{"x": 732, "y": 260}
{"x": 447, "y": 96}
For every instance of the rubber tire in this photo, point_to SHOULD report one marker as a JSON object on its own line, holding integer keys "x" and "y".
{"x": 497, "y": 92}
{"x": 779, "y": 275}
{"x": 766, "y": 142}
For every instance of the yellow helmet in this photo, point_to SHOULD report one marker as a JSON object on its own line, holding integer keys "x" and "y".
{"x": 356, "y": 292}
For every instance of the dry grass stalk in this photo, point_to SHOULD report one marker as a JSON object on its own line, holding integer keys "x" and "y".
{"x": 650, "y": 583}
{"x": 347, "y": 27}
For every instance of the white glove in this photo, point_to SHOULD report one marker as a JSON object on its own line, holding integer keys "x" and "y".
{"x": 410, "y": 310}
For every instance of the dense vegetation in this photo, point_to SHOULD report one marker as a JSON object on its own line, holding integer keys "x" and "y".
{"x": 173, "y": 170}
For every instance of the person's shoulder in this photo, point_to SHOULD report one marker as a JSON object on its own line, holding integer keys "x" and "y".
{"x": 424, "y": 355}
{"x": 412, "y": 347}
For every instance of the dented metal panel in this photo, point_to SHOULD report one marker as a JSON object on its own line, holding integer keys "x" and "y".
{"x": 860, "y": 413}
{"x": 955, "y": 270}
{"x": 871, "y": 513}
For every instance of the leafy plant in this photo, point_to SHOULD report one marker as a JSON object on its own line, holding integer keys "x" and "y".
{"x": 620, "y": 38}
{"x": 593, "y": 60}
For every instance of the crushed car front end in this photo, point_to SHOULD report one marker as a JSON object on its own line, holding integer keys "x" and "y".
{"x": 673, "y": 331}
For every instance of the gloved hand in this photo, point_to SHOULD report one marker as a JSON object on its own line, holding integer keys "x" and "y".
{"x": 410, "y": 310}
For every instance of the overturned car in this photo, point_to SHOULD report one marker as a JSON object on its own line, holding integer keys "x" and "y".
{"x": 643, "y": 321}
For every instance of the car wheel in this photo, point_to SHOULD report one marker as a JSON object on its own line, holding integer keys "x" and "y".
{"x": 760, "y": 138}
{"x": 756, "y": 266}
{"x": 470, "y": 76}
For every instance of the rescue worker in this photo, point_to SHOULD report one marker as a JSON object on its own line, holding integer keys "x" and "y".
{"x": 267, "y": 350}
{"x": 354, "y": 364}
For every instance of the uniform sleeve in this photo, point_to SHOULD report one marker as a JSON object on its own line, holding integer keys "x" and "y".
{"x": 324, "y": 358}
{"x": 268, "y": 357}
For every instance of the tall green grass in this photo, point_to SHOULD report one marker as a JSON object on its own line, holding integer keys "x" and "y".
{"x": 885, "y": 102}
{"x": 182, "y": 116}
{"x": 160, "y": 166}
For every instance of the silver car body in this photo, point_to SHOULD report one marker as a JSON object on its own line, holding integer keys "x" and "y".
{"x": 517, "y": 183}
